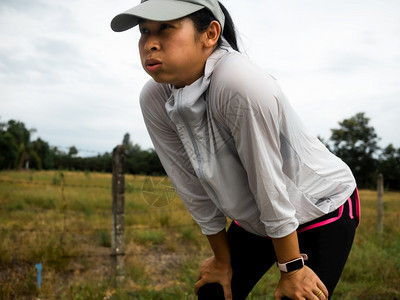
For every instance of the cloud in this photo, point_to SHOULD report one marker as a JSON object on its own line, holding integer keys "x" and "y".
{"x": 66, "y": 73}
{"x": 350, "y": 63}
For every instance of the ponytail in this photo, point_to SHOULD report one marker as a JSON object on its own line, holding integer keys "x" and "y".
{"x": 204, "y": 17}
{"x": 229, "y": 29}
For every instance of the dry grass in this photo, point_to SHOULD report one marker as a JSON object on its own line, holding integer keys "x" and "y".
{"x": 63, "y": 220}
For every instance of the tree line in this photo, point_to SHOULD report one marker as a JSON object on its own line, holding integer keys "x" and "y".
{"x": 18, "y": 152}
{"x": 355, "y": 141}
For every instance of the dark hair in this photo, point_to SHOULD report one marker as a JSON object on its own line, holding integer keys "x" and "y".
{"x": 204, "y": 17}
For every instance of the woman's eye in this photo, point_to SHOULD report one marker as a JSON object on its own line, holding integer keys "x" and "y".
{"x": 165, "y": 26}
{"x": 143, "y": 30}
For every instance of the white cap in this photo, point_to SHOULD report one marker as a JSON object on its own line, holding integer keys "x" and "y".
{"x": 164, "y": 10}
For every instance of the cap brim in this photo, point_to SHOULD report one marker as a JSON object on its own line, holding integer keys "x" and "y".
{"x": 155, "y": 10}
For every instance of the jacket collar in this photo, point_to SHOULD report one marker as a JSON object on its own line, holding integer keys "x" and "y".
{"x": 189, "y": 100}
{"x": 204, "y": 81}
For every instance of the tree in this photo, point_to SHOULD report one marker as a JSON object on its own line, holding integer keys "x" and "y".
{"x": 140, "y": 161}
{"x": 389, "y": 166}
{"x": 8, "y": 151}
{"x": 72, "y": 151}
{"x": 15, "y": 139}
{"x": 356, "y": 143}
{"x": 22, "y": 140}
{"x": 126, "y": 141}
{"x": 42, "y": 156}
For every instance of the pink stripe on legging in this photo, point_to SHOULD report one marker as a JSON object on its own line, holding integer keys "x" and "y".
{"x": 350, "y": 209}
{"x": 331, "y": 220}
{"x": 322, "y": 223}
{"x": 358, "y": 209}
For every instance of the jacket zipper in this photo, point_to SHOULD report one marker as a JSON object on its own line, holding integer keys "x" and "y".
{"x": 196, "y": 152}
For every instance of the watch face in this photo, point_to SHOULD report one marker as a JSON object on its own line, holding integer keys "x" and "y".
{"x": 295, "y": 265}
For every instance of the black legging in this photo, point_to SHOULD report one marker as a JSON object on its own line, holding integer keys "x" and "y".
{"x": 252, "y": 256}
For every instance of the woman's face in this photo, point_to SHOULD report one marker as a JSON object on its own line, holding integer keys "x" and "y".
{"x": 172, "y": 51}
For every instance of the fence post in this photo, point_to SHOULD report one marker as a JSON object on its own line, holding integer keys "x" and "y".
{"x": 118, "y": 203}
{"x": 379, "y": 225}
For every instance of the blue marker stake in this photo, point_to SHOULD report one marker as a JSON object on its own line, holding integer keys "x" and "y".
{"x": 39, "y": 275}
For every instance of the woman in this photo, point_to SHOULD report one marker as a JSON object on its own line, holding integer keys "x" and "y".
{"x": 233, "y": 147}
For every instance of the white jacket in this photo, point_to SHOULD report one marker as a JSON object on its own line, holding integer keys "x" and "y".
{"x": 233, "y": 147}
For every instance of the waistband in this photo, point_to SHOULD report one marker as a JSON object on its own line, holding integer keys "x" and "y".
{"x": 349, "y": 210}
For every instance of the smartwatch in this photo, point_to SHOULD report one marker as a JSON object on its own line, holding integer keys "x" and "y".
{"x": 293, "y": 265}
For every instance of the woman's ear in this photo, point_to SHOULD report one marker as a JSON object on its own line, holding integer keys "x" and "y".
{"x": 212, "y": 34}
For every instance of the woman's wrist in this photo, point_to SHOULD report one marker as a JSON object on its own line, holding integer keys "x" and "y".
{"x": 220, "y": 246}
{"x": 291, "y": 274}
{"x": 286, "y": 248}
{"x": 222, "y": 262}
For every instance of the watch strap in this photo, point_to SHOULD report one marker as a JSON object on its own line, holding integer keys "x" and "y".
{"x": 293, "y": 265}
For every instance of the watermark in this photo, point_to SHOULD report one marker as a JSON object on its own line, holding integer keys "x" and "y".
{"x": 158, "y": 191}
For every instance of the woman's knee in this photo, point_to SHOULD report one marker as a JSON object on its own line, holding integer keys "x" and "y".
{"x": 211, "y": 291}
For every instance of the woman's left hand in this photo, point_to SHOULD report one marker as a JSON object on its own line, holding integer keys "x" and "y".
{"x": 213, "y": 271}
{"x": 301, "y": 284}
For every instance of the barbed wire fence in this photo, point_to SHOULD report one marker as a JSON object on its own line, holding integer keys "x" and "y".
{"x": 117, "y": 253}
{"x": 81, "y": 151}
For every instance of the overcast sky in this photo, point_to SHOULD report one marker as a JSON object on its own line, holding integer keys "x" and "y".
{"x": 64, "y": 72}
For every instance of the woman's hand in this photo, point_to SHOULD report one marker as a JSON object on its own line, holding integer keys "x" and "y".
{"x": 213, "y": 271}
{"x": 301, "y": 284}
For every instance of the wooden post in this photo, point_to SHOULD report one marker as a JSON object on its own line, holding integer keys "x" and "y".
{"x": 379, "y": 225}
{"x": 118, "y": 203}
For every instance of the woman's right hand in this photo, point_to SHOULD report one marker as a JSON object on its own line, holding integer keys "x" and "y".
{"x": 214, "y": 271}
{"x": 301, "y": 284}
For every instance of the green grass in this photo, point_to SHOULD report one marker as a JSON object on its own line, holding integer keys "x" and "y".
{"x": 63, "y": 220}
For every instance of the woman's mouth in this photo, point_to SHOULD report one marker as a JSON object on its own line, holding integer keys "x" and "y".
{"x": 153, "y": 65}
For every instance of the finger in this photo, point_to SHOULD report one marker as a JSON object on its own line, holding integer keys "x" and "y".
{"x": 277, "y": 295}
{"x": 324, "y": 290}
{"x": 318, "y": 294}
{"x": 227, "y": 292}
{"x": 198, "y": 285}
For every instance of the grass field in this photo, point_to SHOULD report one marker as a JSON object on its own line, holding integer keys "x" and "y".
{"x": 63, "y": 221}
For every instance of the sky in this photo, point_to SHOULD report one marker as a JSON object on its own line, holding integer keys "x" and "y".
{"x": 66, "y": 74}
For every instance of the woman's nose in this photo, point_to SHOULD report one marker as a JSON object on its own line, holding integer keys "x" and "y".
{"x": 152, "y": 45}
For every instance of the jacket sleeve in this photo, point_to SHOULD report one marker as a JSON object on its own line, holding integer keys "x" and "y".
{"x": 175, "y": 161}
{"x": 249, "y": 106}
